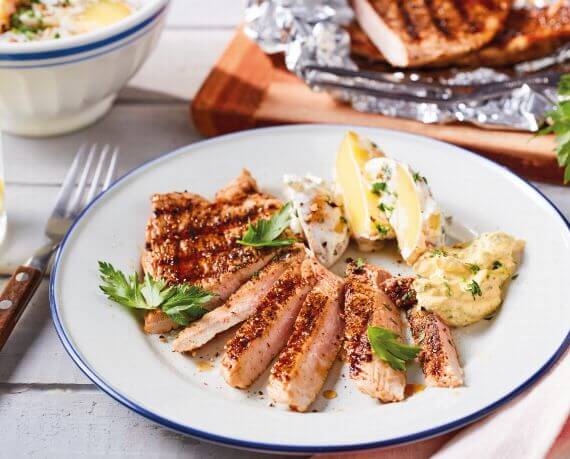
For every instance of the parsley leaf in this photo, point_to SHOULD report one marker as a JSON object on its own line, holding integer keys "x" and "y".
{"x": 385, "y": 345}
{"x": 120, "y": 289}
{"x": 385, "y": 208}
{"x": 418, "y": 177}
{"x": 377, "y": 187}
{"x": 360, "y": 262}
{"x": 559, "y": 119}
{"x": 438, "y": 253}
{"x": 474, "y": 288}
{"x": 182, "y": 303}
{"x": 447, "y": 289}
{"x": 264, "y": 233}
{"x": 382, "y": 229}
{"x": 153, "y": 291}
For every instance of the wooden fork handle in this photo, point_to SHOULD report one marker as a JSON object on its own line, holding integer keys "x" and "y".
{"x": 15, "y": 297}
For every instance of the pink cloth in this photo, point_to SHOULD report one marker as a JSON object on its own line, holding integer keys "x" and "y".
{"x": 533, "y": 426}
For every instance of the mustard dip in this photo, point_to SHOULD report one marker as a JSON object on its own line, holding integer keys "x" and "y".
{"x": 465, "y": 283}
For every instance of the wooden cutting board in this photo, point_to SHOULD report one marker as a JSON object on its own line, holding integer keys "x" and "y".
{"x": 248, "y": 89}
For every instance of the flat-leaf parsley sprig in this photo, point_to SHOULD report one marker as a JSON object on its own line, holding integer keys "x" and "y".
{"x": 265, "y": 233}
{"x": 559, "y": 119}
{"x": 385, "y": 345}
{"x": 182, "y": 303}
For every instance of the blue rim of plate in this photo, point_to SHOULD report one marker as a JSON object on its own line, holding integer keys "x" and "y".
{"x": 268, "y": 447}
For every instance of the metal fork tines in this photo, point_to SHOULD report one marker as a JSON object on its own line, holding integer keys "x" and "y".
{"x": 91, "y": 172}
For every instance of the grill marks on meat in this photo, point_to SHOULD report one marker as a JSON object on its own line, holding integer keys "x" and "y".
{"x": 302, "y": 367}
{"x": 190, "y": 239}
{"x": 263, "y": 335}
{"x": 529, "y": 33}
{"x": 438, "y": 357}
{"x": 418, "y": 32}
{"x": 240, "y": 305}
{"x": 366, "y": 305}
{"x": 193, "y": 241}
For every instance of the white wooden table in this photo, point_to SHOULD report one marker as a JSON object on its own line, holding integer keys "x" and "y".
{"x": 47, "y": 407}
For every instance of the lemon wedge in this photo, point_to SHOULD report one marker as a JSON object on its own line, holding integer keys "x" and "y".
{"x": 102, "y": 14}
{"x": 407, "y": 203}
{"x": 367, "y": 224}
{"x": 407, "y": 216}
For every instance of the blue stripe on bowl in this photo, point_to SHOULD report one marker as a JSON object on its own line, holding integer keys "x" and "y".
{"x": 42, "y": 55}
{"x": 59, "y": 63}
{"x": 286, "y": 448}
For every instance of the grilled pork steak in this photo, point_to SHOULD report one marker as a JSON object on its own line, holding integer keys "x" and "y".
{"x": 529, "y": 33}
{"x": 249, "y": 352}
{"x": 360, "y": 44}
{"x": 190, "y": 239}
{"x": 365, "y": 304}
{"x": 302, "y": 367}
{"x": 438, "y": 357}
{"x": 240, "y": 305}
{"x": 412, "y": 33}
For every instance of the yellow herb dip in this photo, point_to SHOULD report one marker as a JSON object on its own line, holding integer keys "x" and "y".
{"x": 465, "y": 283}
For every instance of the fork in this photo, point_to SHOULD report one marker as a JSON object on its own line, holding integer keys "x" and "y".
{"x": 91, "y": 171}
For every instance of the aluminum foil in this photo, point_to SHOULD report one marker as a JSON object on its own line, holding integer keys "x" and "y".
{"x": 316, "y": 46}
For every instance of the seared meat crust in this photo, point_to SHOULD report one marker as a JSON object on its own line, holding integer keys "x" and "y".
{"x": 240, "y": 305}
{"x": 366, "y": 305}
{"x": 190, "y": 239}
{"x": 438, "y": 357}
{"x": 528, "y": 33}
{"x": 302, "y": 367}
{"x": 411, "y": 33}
{"x": 259, "y": 339}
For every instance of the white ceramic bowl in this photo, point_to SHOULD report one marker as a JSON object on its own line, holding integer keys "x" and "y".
{"x": 57, "y": 86}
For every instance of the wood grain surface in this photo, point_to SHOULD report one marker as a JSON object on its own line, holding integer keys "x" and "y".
{"x": 248, "y": 89}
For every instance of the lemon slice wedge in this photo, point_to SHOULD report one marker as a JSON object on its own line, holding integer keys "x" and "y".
{"x": 366, "y": 222}
{"x": 407, "y": 215}
{"x": 407, "y": 203}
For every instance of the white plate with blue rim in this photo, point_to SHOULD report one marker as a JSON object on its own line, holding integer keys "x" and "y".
{"x": 501, "y": 357}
